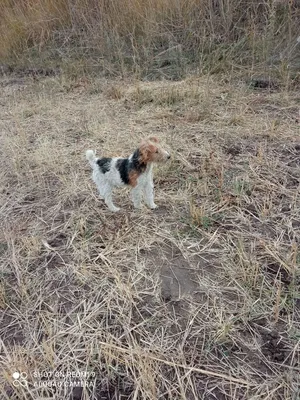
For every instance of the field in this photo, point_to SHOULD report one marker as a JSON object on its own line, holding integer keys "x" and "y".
{"x": 200, "y": 298}
{"x": 197, "y": 299}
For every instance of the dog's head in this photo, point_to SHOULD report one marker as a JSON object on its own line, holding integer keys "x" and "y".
{"x": 151, "y": 151}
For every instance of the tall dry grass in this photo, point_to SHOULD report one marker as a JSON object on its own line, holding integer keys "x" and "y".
{"x": 141, "y": 35}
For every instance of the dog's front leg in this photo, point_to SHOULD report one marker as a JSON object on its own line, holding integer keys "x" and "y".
{"x": 136, "y": 197}
{"x": 149, "y": 194}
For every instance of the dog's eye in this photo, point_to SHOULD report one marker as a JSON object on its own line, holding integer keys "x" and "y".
{"x": 156, "y": 151}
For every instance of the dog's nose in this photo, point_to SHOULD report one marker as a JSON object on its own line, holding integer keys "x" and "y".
{"x": 169, "y": 156}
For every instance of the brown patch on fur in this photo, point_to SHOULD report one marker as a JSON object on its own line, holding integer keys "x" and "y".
{"x": 133, "y": 176}
{"x": 147, "y": 150}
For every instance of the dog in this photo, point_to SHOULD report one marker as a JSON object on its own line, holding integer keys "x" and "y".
{"x": 135, "y": 171}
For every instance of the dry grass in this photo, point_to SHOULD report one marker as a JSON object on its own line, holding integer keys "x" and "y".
{"x": 152, "y": 38}
{"x": 198, "y": 299}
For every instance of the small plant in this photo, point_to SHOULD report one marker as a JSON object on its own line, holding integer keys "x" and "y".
{"x": 236, "y": 120}
{"x": 28, "y": 113}
{"x": 199, "y": 217}
{"x": 142, "y": 96}
{"x": 242, "y": 186}
{"x": 114, "y": 92}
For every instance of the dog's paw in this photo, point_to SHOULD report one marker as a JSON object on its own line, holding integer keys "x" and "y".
{"x": 153, "y": 206}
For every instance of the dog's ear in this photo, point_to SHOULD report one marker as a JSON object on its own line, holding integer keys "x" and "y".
{"x": 146, "y": 149}
{"x": 153, "y": 139}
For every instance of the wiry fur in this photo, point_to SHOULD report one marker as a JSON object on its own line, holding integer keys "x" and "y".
{"x": 136, "y": 171}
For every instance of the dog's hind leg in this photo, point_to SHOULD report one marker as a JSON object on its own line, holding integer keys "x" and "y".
{"x": 100, "y": 183}
{"x": 108, "y": 200}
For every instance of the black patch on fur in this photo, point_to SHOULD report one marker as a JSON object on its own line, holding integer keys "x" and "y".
{"x": 136, "y": 164}
{"x": 125, "y": 166}
{"x": 104, "y": 164}
{"x": 122, "y": 166}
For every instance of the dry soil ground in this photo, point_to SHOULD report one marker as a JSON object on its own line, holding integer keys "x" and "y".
{"x": 198, "y": 299}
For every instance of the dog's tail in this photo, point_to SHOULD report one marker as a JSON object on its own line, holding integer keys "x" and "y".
{"x": 91, "y": 157}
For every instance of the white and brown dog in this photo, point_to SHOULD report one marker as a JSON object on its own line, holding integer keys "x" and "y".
{"x": 135, "y": 171}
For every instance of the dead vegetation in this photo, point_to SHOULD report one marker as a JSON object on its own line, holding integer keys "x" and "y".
{"x": 151, "y": 38}
{"x": 198, "y": 299}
